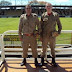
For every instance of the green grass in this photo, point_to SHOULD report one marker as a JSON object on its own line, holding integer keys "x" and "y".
{"x": 64, "y": 38}
{"x": 12, "y": 24}
{"x": 66, "y": 23}
{"x": 8, "y": 24}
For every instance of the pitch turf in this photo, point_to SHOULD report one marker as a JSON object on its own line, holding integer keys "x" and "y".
{"x": 12, "y": 24}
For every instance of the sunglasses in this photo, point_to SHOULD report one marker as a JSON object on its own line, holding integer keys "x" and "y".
{"x": 28, "y": 8}
{"x": 48, "y": 6}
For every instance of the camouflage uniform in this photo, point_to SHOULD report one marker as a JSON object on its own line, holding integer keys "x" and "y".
{"x": 28, "y": 25}
{"x": 48, "y": 26}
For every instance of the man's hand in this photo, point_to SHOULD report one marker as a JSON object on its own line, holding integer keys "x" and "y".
{"x": 55, "y": 34}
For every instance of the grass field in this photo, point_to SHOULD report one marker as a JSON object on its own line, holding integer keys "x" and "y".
{"x": 12, "y": 24}
{"x": 8, "y": 24}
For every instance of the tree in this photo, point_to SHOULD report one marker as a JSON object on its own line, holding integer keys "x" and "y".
{"x": 42, "y": 2}
{"x": 35, "y": 2}
{"x": 5, "y": 3}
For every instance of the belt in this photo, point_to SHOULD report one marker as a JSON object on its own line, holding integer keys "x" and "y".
{"x": 31, "y": 34}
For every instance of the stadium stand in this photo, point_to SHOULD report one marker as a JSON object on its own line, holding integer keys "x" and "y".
{"x": 16, "y": 11}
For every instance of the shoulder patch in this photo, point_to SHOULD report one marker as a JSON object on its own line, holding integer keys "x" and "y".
{"x": 55, "y": 13}
{"x": 34, "y": 14}
{"x": 22, "y": 15}
{"x": 43, "y": 13}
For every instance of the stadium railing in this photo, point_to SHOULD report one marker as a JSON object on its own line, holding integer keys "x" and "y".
{"x": 1, "y": 50}
{"x": 19, "y": 50}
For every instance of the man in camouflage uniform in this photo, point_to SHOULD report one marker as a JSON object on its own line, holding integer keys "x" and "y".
{"x": 49, "y": 20}
{"x": 27, "y": 27}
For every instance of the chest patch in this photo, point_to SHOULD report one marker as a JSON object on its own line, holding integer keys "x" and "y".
{"x": 45, "y": 19}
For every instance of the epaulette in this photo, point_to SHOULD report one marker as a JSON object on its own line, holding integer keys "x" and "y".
{"x": 35, "y": 14}
{"x": 55, "y": 13}
{"x": 44, "y": 14}
{"x": 22, "y": 15}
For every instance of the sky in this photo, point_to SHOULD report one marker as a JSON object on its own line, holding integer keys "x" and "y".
{"x": 53, "y": 2}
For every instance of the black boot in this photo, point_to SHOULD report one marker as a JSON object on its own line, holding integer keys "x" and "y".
{"x": 42, "y": 61}
{"x": 23, "y": 62}
{"x": 53, "y": 62}
{"x": 36, "y": 62}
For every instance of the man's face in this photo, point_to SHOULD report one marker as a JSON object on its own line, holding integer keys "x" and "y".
{"x": 48, "y": 7}
{"x": 28, "y": 9}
